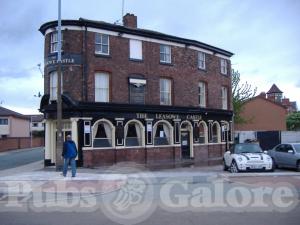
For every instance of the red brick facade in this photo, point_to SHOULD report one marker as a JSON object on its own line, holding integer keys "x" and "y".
{"x": 183, "y": 71}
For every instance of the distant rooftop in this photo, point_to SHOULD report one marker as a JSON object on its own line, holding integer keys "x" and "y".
{"x": 8, "y": 112}
{"x": 274, "y": 89}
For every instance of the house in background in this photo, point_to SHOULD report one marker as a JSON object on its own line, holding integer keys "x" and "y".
{"x": 36, "y": 122}
{"x": 13, "y": 124}
{"x": 262, "y": 114}
{"x": 275, "y": 95}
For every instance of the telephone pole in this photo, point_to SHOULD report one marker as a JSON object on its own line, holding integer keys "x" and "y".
{"x": 59, "y": 143}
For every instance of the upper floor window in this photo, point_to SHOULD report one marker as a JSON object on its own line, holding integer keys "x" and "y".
{"x": 101, "y": 44}
{"x": 224, "y": 94}
{"x": 3, "y": 121}
{"x": 202, "y": 94}
{"x": 54, "y": 41}
{"x": 201, "y": 60}
{"x": 223, "y": 66}
{"x": 165, "y": 92}
{"x": 101, "y": 87}
{"x": 137, "y": 90}
{"x": 136, "y": 49}
{"x": 165, "y": 53}
{"x": 53, "y": 85}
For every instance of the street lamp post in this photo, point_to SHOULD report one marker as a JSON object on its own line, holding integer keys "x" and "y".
{"x": 59, "y": 143}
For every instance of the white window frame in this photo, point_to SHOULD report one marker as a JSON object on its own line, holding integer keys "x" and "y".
{"x": 135, "y": 49}
{"x": 201, "y": 60}
{"x": 166, "y": 52}
{"x": 101, "y": 44}
{"x": 53, "y": 85}
{"x": 224, "y": 96}
{"x": 165, "y": 92}
{"x": 223, "y": 66}
{"x": 100, "y": 88}
{"x": 202, "y": 94}
{"x": 54, "y": 42}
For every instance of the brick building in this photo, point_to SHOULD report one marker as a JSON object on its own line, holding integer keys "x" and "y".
{"x": 262, "y": 114}
{"x": 132, "y": 94}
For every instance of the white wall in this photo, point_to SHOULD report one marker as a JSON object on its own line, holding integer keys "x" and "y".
{"x": 290, "y": 136}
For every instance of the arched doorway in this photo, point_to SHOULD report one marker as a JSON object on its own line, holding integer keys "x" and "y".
{"x": 186, "y": 134}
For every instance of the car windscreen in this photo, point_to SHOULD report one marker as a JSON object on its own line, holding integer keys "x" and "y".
{"x": 297, "y": 147}
{"x": 248, "y": 148}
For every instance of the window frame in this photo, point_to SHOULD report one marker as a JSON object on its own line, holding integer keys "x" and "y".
{"x": 163, "y": 52}
{"x": 53, "y": 97}
{"x": 107, "y": 89}
{"x": 165, "y": 92}
{"x": 101, "y": 44}
{"x": 3, "y": 121}
{"x": 202, "y": 94}
{"x": 141, "y": 132}
{"x": 55, "y": 42}
{"x": 201, "y": 61}
{"x": 170, "y": 128}
{"x": 132, "y": 45}
{"x": 224, "y": 99}
{"x": 112, "y": 132}
{"x": 223, "y": 66}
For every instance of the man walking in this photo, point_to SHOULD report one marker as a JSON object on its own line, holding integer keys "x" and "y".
{"x": 69, "y": 154}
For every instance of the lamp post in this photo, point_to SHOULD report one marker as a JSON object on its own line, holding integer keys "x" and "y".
{"x": 59, "y": 143}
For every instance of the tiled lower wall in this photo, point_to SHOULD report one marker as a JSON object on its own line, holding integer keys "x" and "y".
{"x": 203, "y": 155}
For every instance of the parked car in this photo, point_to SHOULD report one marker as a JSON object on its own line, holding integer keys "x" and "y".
{"x": 247, "y": 157}
{"x": 286, "y": 155}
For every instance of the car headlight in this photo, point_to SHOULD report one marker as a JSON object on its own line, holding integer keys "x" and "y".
{"x": 269, "y": 159}
{"x": 240, "y": 159}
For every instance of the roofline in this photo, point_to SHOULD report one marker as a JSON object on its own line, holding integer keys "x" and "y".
{"x": 268, "y": 100}
{"x": 139, "y": 32}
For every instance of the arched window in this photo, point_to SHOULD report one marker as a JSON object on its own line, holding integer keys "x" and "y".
{"x": 202, "y": 132}
{"x": 163, "y": 133}
{"x": 215, "y": 132}
{"x": 103, "y": 134}
{"x": 134, "y": 133}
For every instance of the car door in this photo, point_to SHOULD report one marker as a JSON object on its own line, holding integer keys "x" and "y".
{"x": 290, "y": 157}
{"x": 278, "y": 154}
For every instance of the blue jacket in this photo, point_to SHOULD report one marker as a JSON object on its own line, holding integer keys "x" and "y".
{"x": 69, "y": 150}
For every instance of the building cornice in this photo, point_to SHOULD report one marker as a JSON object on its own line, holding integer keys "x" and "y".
{"x": 84, "y": 23}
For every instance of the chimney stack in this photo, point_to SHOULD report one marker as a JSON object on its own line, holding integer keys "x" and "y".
{"x": 130, "y": 20}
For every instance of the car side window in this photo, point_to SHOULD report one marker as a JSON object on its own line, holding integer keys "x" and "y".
{"x": 279, "y": 148}
{"x": 289, "y": 147}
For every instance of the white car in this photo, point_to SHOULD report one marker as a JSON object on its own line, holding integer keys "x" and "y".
{"x": 247, "y": 157}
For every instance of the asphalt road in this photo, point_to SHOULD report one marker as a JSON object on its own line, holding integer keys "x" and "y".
{"x": 184, "y": 201}
{"x": 14, "y": 159}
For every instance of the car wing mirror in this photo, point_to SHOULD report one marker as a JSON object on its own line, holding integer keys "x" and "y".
{"x": 291, "y": 151}
{"x": 265, "y": 151}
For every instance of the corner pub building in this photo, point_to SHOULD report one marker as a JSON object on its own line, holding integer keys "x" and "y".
{"x": 132, "y": 94}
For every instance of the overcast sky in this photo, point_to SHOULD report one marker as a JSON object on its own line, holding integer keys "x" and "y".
{"x": 264, "y": 35}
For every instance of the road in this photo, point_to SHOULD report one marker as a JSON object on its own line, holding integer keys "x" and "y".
{"x": 12, "y": 159}
{"x": 215, "y": 198}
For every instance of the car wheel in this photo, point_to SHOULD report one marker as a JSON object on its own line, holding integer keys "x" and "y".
{"x": 233, "y": 167}
{"x": 298, "y": 166}
{"x": 273, "y": 165}
{"x": 225, "y": 168}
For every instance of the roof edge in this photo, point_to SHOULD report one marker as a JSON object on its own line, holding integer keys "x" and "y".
{"x": 140, "y": 32}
